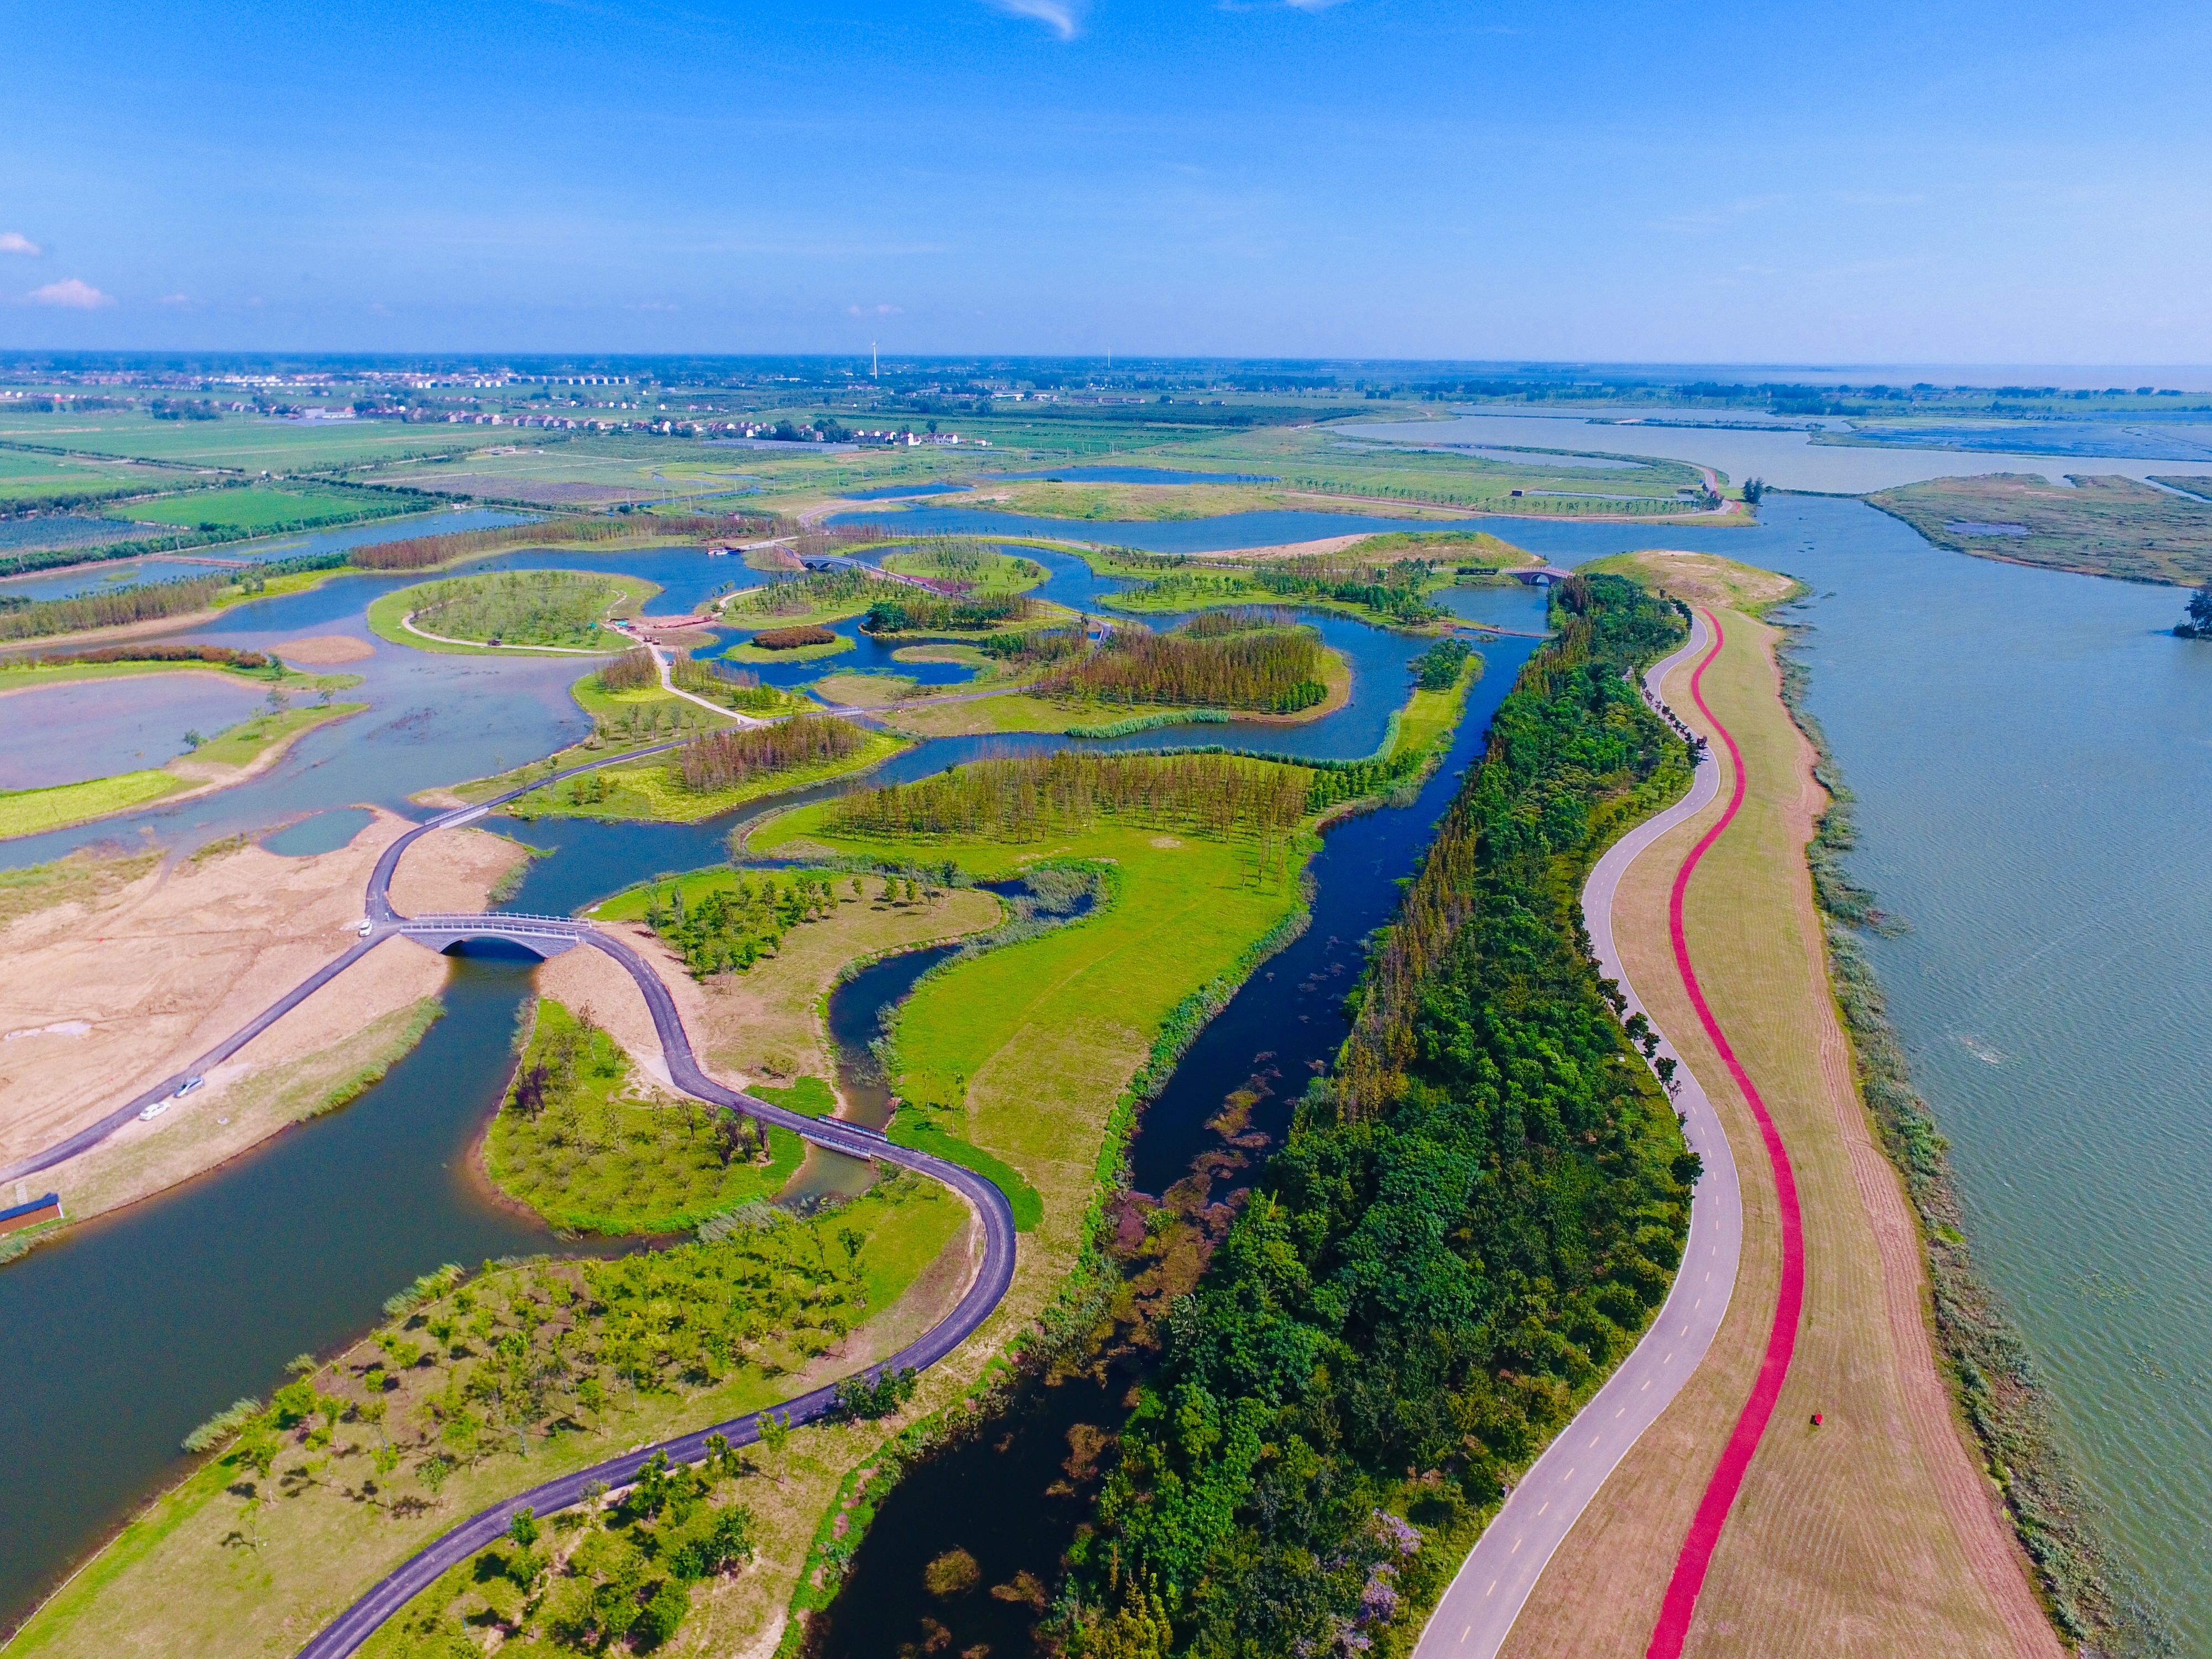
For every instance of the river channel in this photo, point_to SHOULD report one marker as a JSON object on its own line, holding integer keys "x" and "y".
{"x": 2032, "y": 758}
{"x": 132, "y": 1329}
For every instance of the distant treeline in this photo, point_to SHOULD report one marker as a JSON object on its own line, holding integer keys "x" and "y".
{"x": 917, "y": 611}
{"x": 420, "y": 552}
{"x": 222, "y": 655}
{"x": 722, "y": 760}
{"x": 148, "y": 603}
{"x": 1273, "y": 671}
{"x": 1462, "y": 1236}
{"x": 633, "y": 671}
{"x": 818, "y": 590}
{"x": 1046, "y": 645}
{"x": 1029, "y": 798}
{"x": 792, "y": 639}
{"x": 1396, "y": 589}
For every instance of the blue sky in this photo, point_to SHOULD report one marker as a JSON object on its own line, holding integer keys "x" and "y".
{"x": 1870, "y": 182}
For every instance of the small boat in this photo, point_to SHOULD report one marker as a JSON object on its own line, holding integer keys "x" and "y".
{"x": 188, "y": 1086}
{"x": 154, "y": 1110}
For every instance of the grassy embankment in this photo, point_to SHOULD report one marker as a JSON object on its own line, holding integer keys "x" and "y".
{"x": 229, "y": 757}
{"x": 1212, "y": 667}
{"x": 1878, "y": 1518}
{"x": 368, "y": 1457}
{"x": 587, "y": 1144}
{"x": 559, "y": 611}
{"x": 655, "y": 790}
{"x": 2102, "y": 527}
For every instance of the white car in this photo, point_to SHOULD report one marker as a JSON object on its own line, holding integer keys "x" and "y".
{"x": 154, "y": 1110}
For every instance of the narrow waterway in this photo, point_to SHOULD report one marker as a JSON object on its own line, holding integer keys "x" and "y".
{"x": 131, "y": 1330}
{"x": 1012, "y": 1495}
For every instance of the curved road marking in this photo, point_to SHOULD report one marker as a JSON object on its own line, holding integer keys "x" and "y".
{"x": 1498, "y": 1576}
{"x": 1704, "y": 1535}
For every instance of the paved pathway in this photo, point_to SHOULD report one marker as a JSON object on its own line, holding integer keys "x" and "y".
{"x": 1475, "y": 1614}
{"x": 358, "y": 1622}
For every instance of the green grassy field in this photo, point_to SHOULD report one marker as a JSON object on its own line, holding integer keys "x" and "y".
{"x": 523, "y": 610}
{"x": 2102, "y": 526}
{"x": 33, "y": 812}
{"x": 986, "y": 570}
{"x": 27, "y": 479}
{"x": 1023, "y": 1052}
{"x": 584, "y": 1151}
{"x": 747, "y": 652}
{"x": 652, "y": 791}
{"x": 253, "y": 511}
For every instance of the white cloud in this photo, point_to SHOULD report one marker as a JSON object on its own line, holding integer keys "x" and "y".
{"x": 875, "y": 311}
{"x": 14, "y": 242}
{"x": 70, "y": 295}
{"x": 1311, "y": 5}
{"x": 1063, "y": 17}
{"x": 176, "y": 300}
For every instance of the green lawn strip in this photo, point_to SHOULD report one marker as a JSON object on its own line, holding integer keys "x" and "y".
{"x": 810, "y": 1095}
{"x": 652, "y": 791}
{"x": 582, "y": 1151}
{"x": 24, "y": 674}
{"x": 247, "y": 741}
{"x": 925, "y": 1136}
{"x": 1425, "y": 723}
{"x": 1023, "y": 1052}
{"x": 182, "y": 1578}
{"x": 32, "y": 812}
{"x": 626, "y": 594}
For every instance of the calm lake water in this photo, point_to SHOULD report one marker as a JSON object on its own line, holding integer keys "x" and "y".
{"x": 1789, "y": 461}
{"x": 94, "y": 729}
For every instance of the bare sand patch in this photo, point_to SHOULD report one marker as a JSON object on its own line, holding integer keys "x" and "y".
{"x": 324, "y": 650}
{"x": 163, "y": 968}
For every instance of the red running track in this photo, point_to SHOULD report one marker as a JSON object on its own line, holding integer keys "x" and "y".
{"x": 1690, "y": 1567}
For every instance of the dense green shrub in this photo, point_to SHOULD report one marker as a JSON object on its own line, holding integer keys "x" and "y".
{"x": 1461, "y": 1236}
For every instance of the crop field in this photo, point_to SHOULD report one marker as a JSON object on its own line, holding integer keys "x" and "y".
{"x": 33, "y": 812}
{"x": 2102, "y": 526}
{"x": 27, "y": 479}
{"x": 247, "y": 443}
{"x": 253, "y": 511}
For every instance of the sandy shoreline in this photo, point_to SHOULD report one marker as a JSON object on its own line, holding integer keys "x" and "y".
{"x": 99, "y": 1000}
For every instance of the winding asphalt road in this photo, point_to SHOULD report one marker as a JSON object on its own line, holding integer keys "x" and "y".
{"x": 988, "y": 1287}
{"x": 1477, "y": 1612}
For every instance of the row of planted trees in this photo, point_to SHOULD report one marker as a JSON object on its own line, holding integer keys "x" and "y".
{"x": 1205, "y": 663}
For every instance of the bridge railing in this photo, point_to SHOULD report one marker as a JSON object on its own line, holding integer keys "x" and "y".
{"x": 492, "y": 918}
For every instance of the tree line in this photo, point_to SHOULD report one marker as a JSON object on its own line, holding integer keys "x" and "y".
{"x": 722, "y": 760}
{"x": 1463, "y": 1233}
{"x": 145, "y": 602}
{"x": 1027, "y": 798}
{"x": 1270, "y": 670}
{"x": 917, "y": 611}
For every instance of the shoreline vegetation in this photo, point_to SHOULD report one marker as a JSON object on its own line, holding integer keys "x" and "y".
{"x": 229, "y": 757}
{"x": 508, "y": 611}
{"x": 2093, "y": 1594}
{"x": 1366, "y": 1477}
